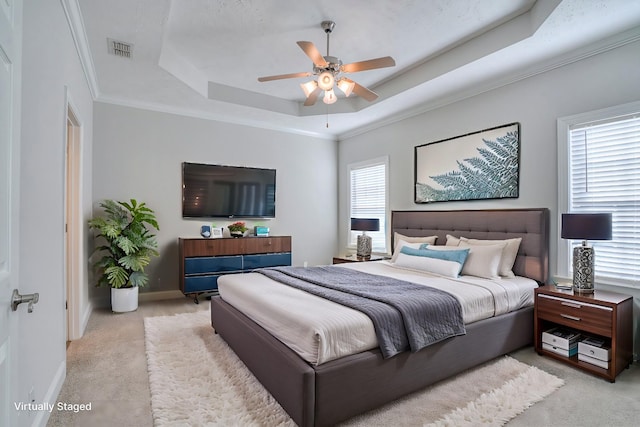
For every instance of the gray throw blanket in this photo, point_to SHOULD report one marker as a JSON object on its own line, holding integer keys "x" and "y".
{"x": 405, "y": 315}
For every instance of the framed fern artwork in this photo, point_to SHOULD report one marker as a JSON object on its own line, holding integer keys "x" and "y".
{"x": 478, "y": 165}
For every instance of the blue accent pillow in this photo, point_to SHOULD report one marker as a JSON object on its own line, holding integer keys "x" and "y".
{"x": 456, "y": 255}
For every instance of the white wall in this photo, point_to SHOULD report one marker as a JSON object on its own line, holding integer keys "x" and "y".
{"x": 50, "y": 64}
{"x": 138, "y": 154}
{"x": 605, "y": 80}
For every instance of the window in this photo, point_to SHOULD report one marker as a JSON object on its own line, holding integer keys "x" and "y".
{"x": 599, "y": 171}
{"x": 368, "y": 199}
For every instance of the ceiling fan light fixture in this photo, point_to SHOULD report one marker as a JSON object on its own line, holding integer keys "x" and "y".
{"x": 346, "y": 86}
{"x": 326, "y": 81}
{"x": 327, "y": 69}
{"x": 309, "y": 87}
{"x": 329, "y": 97}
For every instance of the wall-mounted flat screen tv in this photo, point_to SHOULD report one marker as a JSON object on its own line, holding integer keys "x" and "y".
{"x": 216, "y": 191}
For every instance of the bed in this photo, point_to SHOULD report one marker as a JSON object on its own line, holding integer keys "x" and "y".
{"x": 325, "y": 394}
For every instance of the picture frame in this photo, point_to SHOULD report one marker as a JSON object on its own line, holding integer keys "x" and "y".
{"x": 217, "y": 232}
{"x": 475, "y": 166}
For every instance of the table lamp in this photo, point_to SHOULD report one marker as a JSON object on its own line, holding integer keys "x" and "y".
{"x": 363, "y": 249}
{"x": 592, "y": 226}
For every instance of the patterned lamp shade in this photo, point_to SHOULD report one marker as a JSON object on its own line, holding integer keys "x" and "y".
{"x": 595, "y": 226}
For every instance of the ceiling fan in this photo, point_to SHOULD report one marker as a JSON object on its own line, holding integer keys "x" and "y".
{"x": 329, "y": 69}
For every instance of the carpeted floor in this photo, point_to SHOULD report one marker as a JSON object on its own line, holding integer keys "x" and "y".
{"x": 225, "y": 392}
{"x": 108, "y": 367}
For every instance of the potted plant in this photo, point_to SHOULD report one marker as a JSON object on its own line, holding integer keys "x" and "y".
{"x": 128, "y": 248}
{"x": 237, "y": 229}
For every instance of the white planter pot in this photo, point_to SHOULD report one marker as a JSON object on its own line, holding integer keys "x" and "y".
{"x": 124, "y": 299}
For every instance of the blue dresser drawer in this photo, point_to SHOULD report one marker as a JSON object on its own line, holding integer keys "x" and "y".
{"x": 203, "y": 261}
{"x": 200, "y": 283}
{"x": 202, "y": 265}
{"x": 252, "y": 262}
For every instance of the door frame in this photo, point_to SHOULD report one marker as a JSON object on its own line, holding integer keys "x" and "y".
{"x": 73, "y": 217}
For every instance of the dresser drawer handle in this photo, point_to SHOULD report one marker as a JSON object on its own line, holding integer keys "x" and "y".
{"x": 571, "y": 305}
{"x": 566, "y": 316}
{"x": 564, "y": 301}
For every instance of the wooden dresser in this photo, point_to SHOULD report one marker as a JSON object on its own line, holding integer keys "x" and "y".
{"x": 202, "y": 261}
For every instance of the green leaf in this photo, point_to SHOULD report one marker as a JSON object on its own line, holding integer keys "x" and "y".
{"x": 135, "y": 262}
{"x": 126, "y": 245}
{"x": 105, "y": 262}
{"x": 138, "y": 278}
{"x": 116, "y": 276}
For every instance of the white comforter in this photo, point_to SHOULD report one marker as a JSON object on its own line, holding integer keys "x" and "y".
{"x": 320, "y": 330}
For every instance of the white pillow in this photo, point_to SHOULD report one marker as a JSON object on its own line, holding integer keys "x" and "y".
{"x": 415, "y": 242}
{"x": 452, "y": 240}
{"x": 422, "y": 239}
{"x": 430, "y": 265}
{"x": 441, "y": 248}
{"x": 509, "y": 252}
{"x": 483, "y": 260}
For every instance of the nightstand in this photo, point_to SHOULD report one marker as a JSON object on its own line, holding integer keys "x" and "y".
{"x": 602, "y": 314}
{"x": 353, "y": 258}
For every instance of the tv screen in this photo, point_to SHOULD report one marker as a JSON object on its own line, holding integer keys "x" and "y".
{"x": 214, "y": 191}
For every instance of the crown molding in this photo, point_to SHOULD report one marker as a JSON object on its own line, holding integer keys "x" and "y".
{"x": 594, "y": 49}
{"x": 79, "y": 35}
{"x": 74, "y": 18}
{"x": 199, "y": 114}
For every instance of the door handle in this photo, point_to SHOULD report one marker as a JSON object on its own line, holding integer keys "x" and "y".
{"x": 17, "y": 299}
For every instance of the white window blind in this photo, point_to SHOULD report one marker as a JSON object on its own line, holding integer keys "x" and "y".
{"x": 604, "y": 176}
{"x": 368, "y": 199}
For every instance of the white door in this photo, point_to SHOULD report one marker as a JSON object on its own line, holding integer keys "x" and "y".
{"x": 10, "y": 55}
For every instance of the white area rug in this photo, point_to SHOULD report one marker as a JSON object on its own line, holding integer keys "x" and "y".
{"x": 196, "y": 379}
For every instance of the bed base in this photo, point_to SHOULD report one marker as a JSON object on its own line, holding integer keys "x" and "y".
{"x": 338, "y": 390}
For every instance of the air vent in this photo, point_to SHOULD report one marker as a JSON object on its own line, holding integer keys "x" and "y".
{"x": 119, "y": 48}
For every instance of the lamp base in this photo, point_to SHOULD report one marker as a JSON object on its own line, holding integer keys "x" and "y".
{"x": 363, "y": 249}
{"x": 583, "y": 259}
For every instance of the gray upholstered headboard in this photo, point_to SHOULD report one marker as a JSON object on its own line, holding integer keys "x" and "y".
{"x": 530, "y": 224}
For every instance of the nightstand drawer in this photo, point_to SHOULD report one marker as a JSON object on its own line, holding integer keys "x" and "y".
{"x": 593, "y": 318}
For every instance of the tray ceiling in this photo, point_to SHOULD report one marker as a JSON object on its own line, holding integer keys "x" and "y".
{"x": 202, "y": 57}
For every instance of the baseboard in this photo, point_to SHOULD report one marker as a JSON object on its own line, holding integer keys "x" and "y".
{"x": 142, "y": 297}
{"x": 52, "y": 394}
{"x": 84, "y": 321}
{"x": 159, "y": 295}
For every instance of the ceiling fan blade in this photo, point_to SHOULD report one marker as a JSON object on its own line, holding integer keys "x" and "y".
{"x": 363, "y": 92}
{"x": 283, "y": 76}
{"x": 371, "y": 64}
{"x": 312, "y": 52}
{"x": 313, "y": 97}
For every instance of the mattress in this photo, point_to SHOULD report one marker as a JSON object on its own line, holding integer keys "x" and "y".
{"x": 320, "y": 330}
